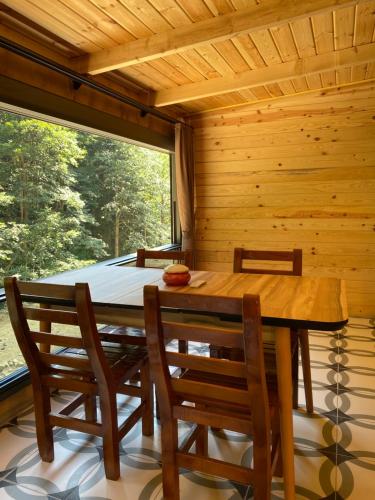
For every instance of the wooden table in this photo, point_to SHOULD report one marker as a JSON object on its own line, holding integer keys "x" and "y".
{"x": 286, "y": 301}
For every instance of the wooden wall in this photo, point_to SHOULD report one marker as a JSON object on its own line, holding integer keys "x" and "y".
{"x": 296, "y": 173}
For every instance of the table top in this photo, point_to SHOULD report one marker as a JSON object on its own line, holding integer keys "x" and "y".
{"x": 293, "y": 301}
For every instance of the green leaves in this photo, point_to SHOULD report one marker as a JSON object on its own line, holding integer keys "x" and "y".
{"x": 69, "y": 198}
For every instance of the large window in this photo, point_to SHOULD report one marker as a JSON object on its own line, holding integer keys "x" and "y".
{"x": 70, "y": 198}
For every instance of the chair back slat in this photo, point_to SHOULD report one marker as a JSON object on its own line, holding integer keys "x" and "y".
{"x": 181, "y": 256}
{"x": 241, "y": 383}
{"x": 51, "y": 315}
{"x": 241, "y": 255}
{"x": 65, "y": 305}
{"x": 204, "y": 334}
{"x": 47, "y": 290}
{"x": 74, "y": 360}
{"x": 76, "y": 385}
{"x": 58, "y": 340}
{"x": 201, "y": 303}
{"x": 191, "y": 390}
{"x": 209, "y": 365}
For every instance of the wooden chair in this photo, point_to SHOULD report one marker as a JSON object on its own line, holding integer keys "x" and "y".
{"x": 295, "y": 258}
{"x": 181, "y": 256}
{"x": 134, "y": 335}
{"x": 83, "y": 364}
{"x": 225, "y": 394}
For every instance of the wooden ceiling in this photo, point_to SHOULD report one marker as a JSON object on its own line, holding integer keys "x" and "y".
{"x": 196, "y": 55}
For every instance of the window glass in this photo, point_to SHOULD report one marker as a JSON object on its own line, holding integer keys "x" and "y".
{"x": 70, "y": 198}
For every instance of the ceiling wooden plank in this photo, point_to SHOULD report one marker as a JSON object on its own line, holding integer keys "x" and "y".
{"x": 267, "y": 75}
{"x": 197, "y": 11}
{"x": 215, "y": 59}
{"x": 300, "y": 84}
{"x": 322, "y": 25}
{"x": 84, "y": 9}
{"x": 178, "y": 77}
{"x": 261, "y": 93}
{"x": 23, "y": 31}
{"x": 248, "y": 51}
{"x": 359, "y": 72}
{"x": 266, "y": 47}
{"x": 370, "y": 73}
{"x": 275, "y": 90}
{"x": 314, "y": 81}
{"x": 284, "y": 42}
{"x": 365, "y": 23}
{"x": 287, "y": 87}
{"x": 185, "y": 67}
{"x": 172, "y": 12}
{"x": 343, "y": 21}
{"x": 116, "y": 11}
{"x": 147, "y": 14}
{"x": 52, "y": 24}
{"x": 303, "y": 36}
{"x": 232, "y": 55}
{"x": 344, "y": 75}
{"x": 219, "y": 7}
{"x": 200, "y": 64}
{"x": 329, "y": 78}
{"x": 171, "y": 41}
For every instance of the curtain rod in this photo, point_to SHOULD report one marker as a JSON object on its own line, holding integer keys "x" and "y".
{"x": 79, "y": 80}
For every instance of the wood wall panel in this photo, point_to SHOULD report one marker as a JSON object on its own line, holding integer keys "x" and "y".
{"x": 297, "y": 173}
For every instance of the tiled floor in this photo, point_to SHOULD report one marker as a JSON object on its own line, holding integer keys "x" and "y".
{"x": 334, "y": 448}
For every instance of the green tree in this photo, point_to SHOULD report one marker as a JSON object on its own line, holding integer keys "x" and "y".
{"x": 69, "y": 198}
{"x": 127, "y": 191}
{"x": 42, "y": 223}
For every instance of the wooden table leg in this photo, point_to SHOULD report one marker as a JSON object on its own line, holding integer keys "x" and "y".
{"x": 284, "y": 378}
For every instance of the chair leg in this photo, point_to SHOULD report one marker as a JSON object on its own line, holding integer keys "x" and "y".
{"x": 303, "y": 337}
{"x": 183, "y": 346}
{"x": 157, "y": 409}
{"x": 91, "y": 413}
{"x": 295, "y": 377}
{"x": 44, "y": 434}
{"x": 111, "y": 452}
{"x": 276, "y": 445}
{"x": 148, "y": 400}
{"x": 169, "y": 446}
{"x": 262, "y": 480}
{"x": 294, "y": 355}
{"x": 201, "y": 443}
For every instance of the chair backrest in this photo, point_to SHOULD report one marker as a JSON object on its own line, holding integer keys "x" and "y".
{"x": 83, "y": 357}
{"x": 181, "y": 256}
{"x": 250, "y": 393}
{"x": 294, "y": 256}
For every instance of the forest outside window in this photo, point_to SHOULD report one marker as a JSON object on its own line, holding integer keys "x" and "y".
{"x": 68, "y": 199}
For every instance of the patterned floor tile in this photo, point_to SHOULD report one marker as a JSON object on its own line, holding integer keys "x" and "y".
{"x": 315, "y": 477}
{"x": 334, "y": 451}
{"x": 356, "y": 480}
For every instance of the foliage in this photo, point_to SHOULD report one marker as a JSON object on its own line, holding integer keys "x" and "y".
{"x": 68, "y": 198}
{"x": 132, "y": 206}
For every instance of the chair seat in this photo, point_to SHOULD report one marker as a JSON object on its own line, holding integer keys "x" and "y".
{"x": 123, "y": 334}
{"x": 123, "y": 360}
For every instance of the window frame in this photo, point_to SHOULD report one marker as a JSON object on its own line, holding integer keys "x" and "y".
{"x": 20, "y": 378}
